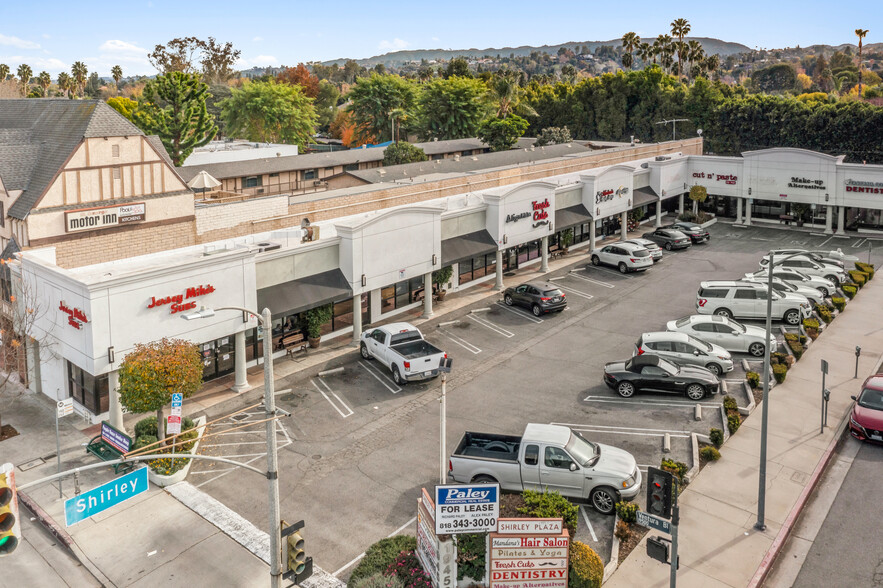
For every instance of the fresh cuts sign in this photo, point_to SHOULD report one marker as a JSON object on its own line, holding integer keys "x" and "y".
{"x": 466, "y": 509}
{"x": 437, "y": 555}
{"x": 529, "y": 553}
{"x": 102, "y": 218}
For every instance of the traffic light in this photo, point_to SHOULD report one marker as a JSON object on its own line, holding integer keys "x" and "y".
{"x": 10, "y": 528}
{"x": 660, "y": 485}
{"x": 297, "y": 566}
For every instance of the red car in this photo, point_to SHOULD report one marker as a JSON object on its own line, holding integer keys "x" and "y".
{"x": 866, "y": 420}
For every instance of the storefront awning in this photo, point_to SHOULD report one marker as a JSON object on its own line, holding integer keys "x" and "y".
{"x": 466, "y": 247}
{"x": 571, "y": 216}
{"x": 644, "y": 196}
{"x": 309, "y": 292}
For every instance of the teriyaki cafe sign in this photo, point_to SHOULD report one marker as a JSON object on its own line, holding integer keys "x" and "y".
{"x": 180, "y": 302}
{"x": 540, "y": 213}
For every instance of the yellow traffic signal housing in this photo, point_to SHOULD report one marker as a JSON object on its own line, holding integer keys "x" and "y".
{"x": 10, "y": 527}
{"x": 298, "y": 566}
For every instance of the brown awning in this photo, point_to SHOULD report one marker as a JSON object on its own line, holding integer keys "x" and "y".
{"x": 305, "y": 293}
{"x": 572, "y": 216}
{"x": 644, "y": 196}
{"x": 466, "y": 247}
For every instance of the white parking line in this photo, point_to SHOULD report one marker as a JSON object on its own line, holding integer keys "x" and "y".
{"x": 461, "y": 342}
{"x": 604, "y": 399}
{"x": 580, "y": 427}
{"x": 609, "y": 271}
{"x": 348, "y": 412}
{"x": 492, "y": 326}
{"x": 582, "y": 510}
{"x": 575, "y": 291}
{"x": 394, "y": 388}
{"x": 825, "y": 241}
{"x": 220, "y": 473}
{"x": 529, "y": 317}
{"x": 361, "y": 555}
{"x": 860, "y": 243}
{"x": 574, "y": 274}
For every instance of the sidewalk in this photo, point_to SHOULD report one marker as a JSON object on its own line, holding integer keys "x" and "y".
{"x": 718, "y": 544}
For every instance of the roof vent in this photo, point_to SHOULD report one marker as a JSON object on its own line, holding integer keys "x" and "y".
{"x": 268, "y": 246}
{"x": 645, "y": 165}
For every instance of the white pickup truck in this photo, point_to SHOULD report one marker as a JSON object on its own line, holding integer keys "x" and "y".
{"x": 402, "y": 348}
{"x": 548, "y": 457}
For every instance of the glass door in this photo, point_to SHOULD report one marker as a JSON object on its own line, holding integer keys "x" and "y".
{"x": 224, "y": 356}
{"x": 209, "y": 370}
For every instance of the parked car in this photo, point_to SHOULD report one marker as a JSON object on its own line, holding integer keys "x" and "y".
{"x": 539, "y": 297}
{"x": 654, "y": 249}
{"x": 783, "y": 287}
{"x": 548, "y": 457}
{"x": 726, "y": 332}
{"x": 696, "y": 233}
{"x": 835, "y": 257}
{"x": 748, "y": 300}
{"x": 402, "y": 348}
{"x": 653, "y": 373}
{"x": 796, "y": 278}
{"x": 684, "y": 349}
{"x": 669, "y": 238}
{"x": 804, "y": 264}
{"x": 866, "y": 420}
{"x": 627, "y": 257}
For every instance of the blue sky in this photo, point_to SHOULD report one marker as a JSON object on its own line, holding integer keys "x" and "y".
{"x": 51, "y": 34}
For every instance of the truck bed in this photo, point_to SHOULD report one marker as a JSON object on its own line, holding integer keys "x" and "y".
{"x": 489, "y": 446}
{"x": 416, "y": 349}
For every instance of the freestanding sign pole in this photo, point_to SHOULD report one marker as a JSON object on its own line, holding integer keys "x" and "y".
{"x": 58, "y": 454}
{"x": 675, "y": 519}
{"x": 442, "y": 441}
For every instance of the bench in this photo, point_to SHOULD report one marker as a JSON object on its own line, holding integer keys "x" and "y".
{"x": 107, "y": 452}
{"x": 292, "y": 342}
{"x": 555, "y": 251}
{"x": 786, "y": 218}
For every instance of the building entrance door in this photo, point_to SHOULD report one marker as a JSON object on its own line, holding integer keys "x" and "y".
{"x": 218, "y": 358}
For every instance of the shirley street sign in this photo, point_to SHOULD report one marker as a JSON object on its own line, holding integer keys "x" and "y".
{"x": 107, "y": 495}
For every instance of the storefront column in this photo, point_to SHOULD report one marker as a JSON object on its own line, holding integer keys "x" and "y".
{"x": 624, "y": 225}
{"x": 544, "y": 246}
{"x": 748, "y": 212}
{"x": 115, "y": 408}
{"x": 829, "y": 220}
{"x": 240, "y": 383}
{"x": 357, "y": 319}
{"x": 498, "y": 285}
{"x": 455, "y": 277}
{"x": 427, "y": 295}
{"x": 738, "y": 211}
{"x": 658, "y": 222}
{"x": 841, "y": 220}
{"x": 593, "y": 230}
{"x": 680, "y": 205}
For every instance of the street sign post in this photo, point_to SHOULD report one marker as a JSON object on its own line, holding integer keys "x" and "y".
{"x": 466, "y": 509}
{"x": 653, "y": 522}
{"x": 62, "y": 409}
{"x": 83, "y": 506}
{"x": 174, "y": 424}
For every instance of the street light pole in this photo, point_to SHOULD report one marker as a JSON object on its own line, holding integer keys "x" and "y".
{"x": 760, "y": 525}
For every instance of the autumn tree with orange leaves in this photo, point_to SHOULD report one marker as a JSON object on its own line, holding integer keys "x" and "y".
{"x": 301, "y": 76}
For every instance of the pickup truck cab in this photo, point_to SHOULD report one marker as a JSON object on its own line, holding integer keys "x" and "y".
{"x": 402, "y": 348}
{"x": 548, "y": 457}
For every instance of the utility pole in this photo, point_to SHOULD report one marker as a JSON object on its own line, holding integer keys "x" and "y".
{"x": 673, "y": 122}
{"x": 272, "y": 458}
{"x": 444, "y": 367}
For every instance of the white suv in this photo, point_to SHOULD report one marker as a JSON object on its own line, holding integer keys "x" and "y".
{"x": 804, "y": 264}
{"x": 749, "y": 300}
{"x": 628, "y": 257}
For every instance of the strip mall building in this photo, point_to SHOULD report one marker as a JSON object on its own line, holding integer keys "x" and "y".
{"x": 373, "y": 248}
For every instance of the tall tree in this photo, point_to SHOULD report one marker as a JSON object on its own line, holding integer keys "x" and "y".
{"x": 630, "y": 42}
{"x": 326, "y": 103}
{"x": 680, "y": 28}
{"x": 45, "y": 80}
{"x": 79, "y": 74}
{"x": 123, "y": 105}
{"x": 695, "y": 55}
{"x": 458, "y": 66}
{"x": 116, "y": 72}
{"x": 373, "y": 99}
{"x": 861, "y": 34}
{"x": 645, "y": 52}
{"x": 176, "y": 55}
{"x": 173, "y": 107}
{"x": 301, "y": 76}
{"x": 269, "y": 111}
{"x": 24, "y": 78}
{"x": 502, "y": 133}
{"x": 4, "y": 72}
{"x": 217, "y": 60}
{"x": 451, "y": 108}
{"x": 506, "y": 93}
{"x": 65, "y": 83}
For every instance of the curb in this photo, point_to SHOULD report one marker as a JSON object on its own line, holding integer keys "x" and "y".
{"x": 691, "y": 473}
{"x": 613, "y": 564}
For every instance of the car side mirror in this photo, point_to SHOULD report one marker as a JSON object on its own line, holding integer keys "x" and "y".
{"x": 696, "y": 352}
{"x": 853, "y": 397}
{"x": 573, "y": 467}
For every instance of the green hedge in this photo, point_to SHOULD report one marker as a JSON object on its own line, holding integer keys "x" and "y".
{"x": 825, "y": 314}
{"x": 779, "y": 372}
{"x": 709, "y": 453}
{"x": 849, "y": 290}
{"x": 586, "y": 567}
{"x": 550, "y": 505}
{"x": 716, "y": 436}
{"x": 734, "y": 421}
{"x": 867, "y": 268}
{"x": 753, "y": 379}
{"x": 627, "y": 511}
{"x": 858, "y": 277}
{"x": 839, "y": 303}
{"x": 381, "y": 555}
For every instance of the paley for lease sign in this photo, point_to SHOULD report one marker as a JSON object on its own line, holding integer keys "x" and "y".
{"x": 530, "y": 553}
{"x": 466, "y": 509}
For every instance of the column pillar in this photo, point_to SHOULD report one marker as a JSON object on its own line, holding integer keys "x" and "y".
{"x": 829, "y": 220}
{"x": 624, "y": 225}
{"x": 841, "y": 220}
{"x": 240, "y": 383}
{"x": 680, "y": 205}
{"x": 544, "y": 249}
{"x": 115, "y": 408}
{"x": 748, "y": 212}
{"x": 357, "y": 319}
{"x": 498, "y": 285}
{"x": 593, "y": 229}
{"x": 427, "y": 295}
{"x": 455, "y": 277}
{"x": 738, "y": 211}
{"x": 658, "y": 222}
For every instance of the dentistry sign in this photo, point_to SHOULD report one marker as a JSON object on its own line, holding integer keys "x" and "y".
{"x": 466, "y": 509}
{"x": 529, "y": 553}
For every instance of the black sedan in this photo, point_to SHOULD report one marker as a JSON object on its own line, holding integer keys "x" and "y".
{"x": 654, "y": 374}
{"x": 539, "y": 297}
{"x": 669, "y": 238}
{"x": 696, "y": 233}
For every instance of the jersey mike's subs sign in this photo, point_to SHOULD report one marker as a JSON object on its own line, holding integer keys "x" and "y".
{"x": 88, "y": 219}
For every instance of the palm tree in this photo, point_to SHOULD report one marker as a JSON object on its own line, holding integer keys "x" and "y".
{"x": 664, "y": 47}
{"x": 45, "y": 80}
{"x": 645, "y": 52}
{"x": 116, "y": 72}
{"x": 24, "y": 76}
{"x": 79, "y": 74}
{"x": 860, "y": 33}
{"x": 695, "y": 53}
{"x": 712, "y": 62}
{"x": 680, "y": 27}
{"x": 4, "y": 72}
{"x": 630, "y": 42}
{"x": 506, "y": 91}
{"x": 65, "y": 83}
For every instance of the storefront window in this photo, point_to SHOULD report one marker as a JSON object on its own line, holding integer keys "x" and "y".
{"x": 89, "y": 391}
{"x": 401, "y": 294}
{"x": 477, "y": 267}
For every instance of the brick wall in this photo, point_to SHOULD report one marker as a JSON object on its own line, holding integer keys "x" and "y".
{"x": 216, "y": 217}
{"x": 123, "y": 244}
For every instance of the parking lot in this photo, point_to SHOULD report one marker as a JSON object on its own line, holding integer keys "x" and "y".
{"x": 360, "y": 447}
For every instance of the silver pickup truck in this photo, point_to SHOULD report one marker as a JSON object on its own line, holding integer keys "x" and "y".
{"x": 402, "y": 348}
{"x": 548, "y": 457}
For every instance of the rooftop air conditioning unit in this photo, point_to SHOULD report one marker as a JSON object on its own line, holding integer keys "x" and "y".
{"x": 268, "y": 246}
{"x": 645, "y": 165}
{"x": 260, "y": 190}
{"x": 662, "y": 158}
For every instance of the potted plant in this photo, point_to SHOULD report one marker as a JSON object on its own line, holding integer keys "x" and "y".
{"x": 566, "y": 240}
{"x": 315, "y": 318}
{"x": 441, "y": 277}
{"x": 799, "y": 211}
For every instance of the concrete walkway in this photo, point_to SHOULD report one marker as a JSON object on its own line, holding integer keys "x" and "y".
{"x": 719, "y": 545}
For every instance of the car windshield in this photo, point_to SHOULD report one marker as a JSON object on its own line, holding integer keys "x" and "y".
{"x": 871, "y": 398}
{"x": 555, "y": 292}
{"x": 667, "y": 366}
{"x": 699, "y": 344}
{"x": 736, "y": 325}
{"x": 683, "y": 322}
{"x": 581, "y": 450}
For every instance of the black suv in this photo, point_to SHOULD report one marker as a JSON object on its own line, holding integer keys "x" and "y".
{"x": 696, "y": 233}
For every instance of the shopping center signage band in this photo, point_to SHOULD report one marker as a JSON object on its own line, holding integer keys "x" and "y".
{"x": 806, "y": 183}
{"x": 610, "y": 194}
{"x": 729, "y": 179}
{"x": 539, "y": 213}
{"x": 181, "y": 302}
{"x": 103, "y": 218}
{"x": 75, "y": 317}
{"x": 863, "y": 187}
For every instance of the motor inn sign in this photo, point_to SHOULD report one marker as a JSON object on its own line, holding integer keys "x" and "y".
{"x": 87, "y": 219}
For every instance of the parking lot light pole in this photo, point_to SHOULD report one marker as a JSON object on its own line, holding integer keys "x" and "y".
{"x": 265, "y": 319}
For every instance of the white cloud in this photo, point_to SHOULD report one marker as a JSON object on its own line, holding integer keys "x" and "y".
{"x": 435, "y": 38}
{"x": 121, "y": 46}
{"x": 259, "y": 61}
{"x": 51, "y": 64}
{"x": 258, "y": 39}
{"x": 19, "y": 43}
{"x": 394, "y": 45}
{"x": 45, "y": 36}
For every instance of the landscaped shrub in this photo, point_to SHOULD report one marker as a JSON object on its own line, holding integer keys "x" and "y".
{"x": 586, "y": 567}
{"x": 825, "y": 314}
{"x": 753, "y": 379}
{"x": 797, "y": 349}
{"x": 678, "y": 468}
{"x": 622, "y": 530}
{"x": 408, "y": 569}
{"x": 627, "y": 511}
{"x": 378, "y": 580}
{"x": 550, "y": 505}
{"x": 471, "y": 555}
{"x": 867, "y": 268}
{"x": 849, "y": 290}
{"x": 795, "y": 342}
{"x": 716, "y": 436}
{"x": 858, "y": 277}
{"x": 839, "y": 303}
{"x": 144, "y": 441}
{"x": 734, "y": 421}
{"x": 779, "y": 357}
{"x": 709, "y": 453}
{"x": 380, "y": 555}
{"x": 145, "y": 435}
{"x": 779, "y": 373}
{"x": 730, "y": 403}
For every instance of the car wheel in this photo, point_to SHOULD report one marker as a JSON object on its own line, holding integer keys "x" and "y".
{"x": 626, "y": 389}
{"x": 536, "y": 310}
{"x": 483, "y": 480}
{"x": 824, "y": 291}
{"x": 604, "y": 500}
{"x": 757, "y": 349}
{"x": 695, "y": 392}
{"x": 724, "y": 312}
{"x": 792, "y": 317}
{"x": 397, "y": 377}
{"x": 363, "y": 349}
{"x": 714, "y": 368}
{"x": 508, "y": 299}
{"x": 623, "y": 268}
{"x": 596, "y": 260}
{"x": 832, "y": 279}
{"x": 668, "y": 246}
